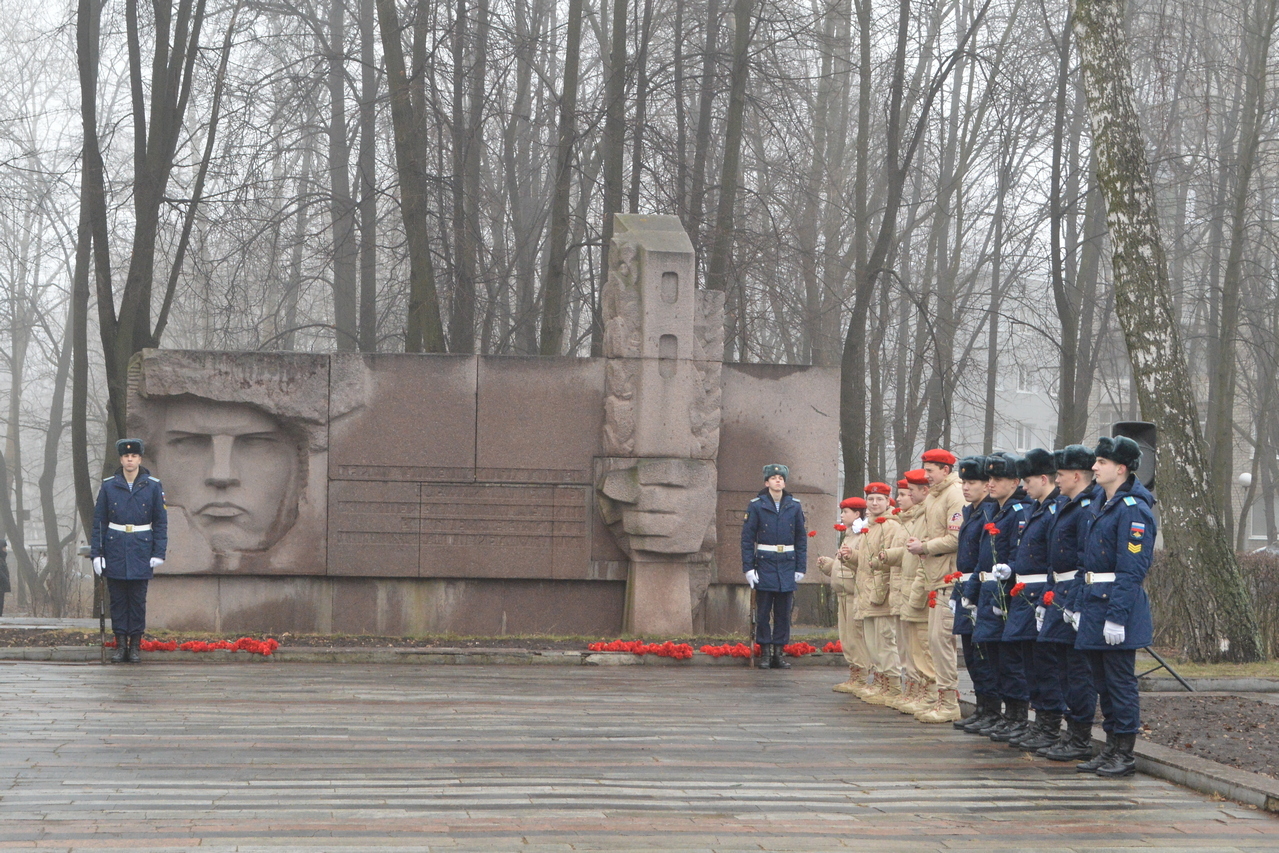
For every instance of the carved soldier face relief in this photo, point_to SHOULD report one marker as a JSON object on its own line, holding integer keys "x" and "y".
{"x": 661, "y": 505}
{"x": 233, "y": 469}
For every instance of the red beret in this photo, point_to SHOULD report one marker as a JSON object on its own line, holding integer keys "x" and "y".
{"x": 877, "y": 489}
{"x": 939, "y": 457}
{"x": 892, "y": 502}
{"x": 901, "y": 484}
{"x": 852, "y": 503}
{"x": 917, "y": 477}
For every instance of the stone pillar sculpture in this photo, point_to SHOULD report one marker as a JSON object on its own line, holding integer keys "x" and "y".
{"x": 656, "y": 484}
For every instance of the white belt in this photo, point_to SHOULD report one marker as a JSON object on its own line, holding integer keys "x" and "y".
{"x": 1099, "y": 577}
{"x": 1064, "y": 576}
{"x": 988, "y": 576}
{"x": 779, "y": 549}
{"x": 129, "y": 528}
{"x": 964, "y": 577}
{"x": 1033, "y": 578}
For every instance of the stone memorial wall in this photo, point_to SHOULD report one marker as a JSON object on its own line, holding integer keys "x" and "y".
{"x": 409, "y": 494}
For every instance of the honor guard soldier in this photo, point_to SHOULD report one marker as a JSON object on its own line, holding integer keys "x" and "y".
{"x": 130, "y": 537}
{"x": 989, "y": 590}
{"x": 974, "y": 481}
{"x": 1038, "y": 472}
{"x": 1057, "y": 634}
{"x": 873, "y": 587}
{"x": 774, "y": 558}
{"x": 1112, "y": 612}
{"x": 842, "y": 571}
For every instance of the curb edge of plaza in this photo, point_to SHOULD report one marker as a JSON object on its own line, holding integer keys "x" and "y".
{"x": 1191, "y": 771}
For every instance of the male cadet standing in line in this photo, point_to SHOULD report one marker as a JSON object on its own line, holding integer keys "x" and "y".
{"x": 774, "y": 558}
{"x": 842, "y": 571}
{"x": 1057, "y": 635}
{"x": 1038, "y": 471}
{"x": 937, "y": 547}
{"x": 974, "y": 482}
{"x": 989, "y": 589}
{"x": 1112, "y": 612}
{"x": 130, "y": 538}
{"x": 872, "y": 588}
{"x": 912, "y": 607}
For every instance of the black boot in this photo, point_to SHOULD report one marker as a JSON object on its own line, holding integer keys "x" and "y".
{"x": 1075, "y": 744}
{"x": 1017, "y": 715}
{"x": 1044, "y": 735}
{"x": 135, "y": 649}
{"x": 979, "y": 707}
{"x": 989, "y": 716}
{"x": 1100, "y": 758}
{"x": 775, "y": 660}
{"x": 1122, "y": 762}
{"x": 764, "y": 649}
{"x": 1000, "y": 721}
{"x": 121, "y": 648}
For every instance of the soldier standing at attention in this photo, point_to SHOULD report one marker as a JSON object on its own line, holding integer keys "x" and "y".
{"x": 974, "y": 482}
{"x": 842, "y": 571}
{"x": 1057, "y": 635}
{"x": 911, "y": 592}
{"x": 873, "y": 587}
{"x": 130, "y": 538}
{"x": 774, "y": 557}
{"x": 1112, "y": 612}
{"x": 937, "y": 548}
{"x": 1037, "y": 470}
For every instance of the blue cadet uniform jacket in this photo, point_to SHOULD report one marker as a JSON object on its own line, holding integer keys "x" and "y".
{"x": 1065, "y": 543}
{"x": 764, "y": 532}
{"x": 1031, "y": 569}
{"x": 982, "y": 589}
{"x": 1116, "y": 556}
{"x": 971, "y": 532}
{"x": 130, "y": 526}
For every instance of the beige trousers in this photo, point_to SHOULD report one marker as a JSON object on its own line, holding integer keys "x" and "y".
{"x": 881, "y": 644}
{"x": 904, "y": 649}
{"x": 851, "y": 633}
{"x": 943, "y": 644}
{"x": 921, "y": 657}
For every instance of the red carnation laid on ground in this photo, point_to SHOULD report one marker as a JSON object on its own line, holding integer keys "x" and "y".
{"x": 812, "y": 533}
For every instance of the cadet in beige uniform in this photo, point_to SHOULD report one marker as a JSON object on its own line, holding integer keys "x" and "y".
{"x": 917, "y": 659}
{"x": 880, "y": 626}
{"x": 936, "y": 547}
{"x": 842, "y": 571}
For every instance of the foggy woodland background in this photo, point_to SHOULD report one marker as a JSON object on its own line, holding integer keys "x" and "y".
{"x": 914, "y": 193}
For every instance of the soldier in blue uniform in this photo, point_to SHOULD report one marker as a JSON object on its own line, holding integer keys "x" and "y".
{"x": 1112, "y": 612}
{"x": 1056, "y": 643}
{"x": 774, "y": 559}
{"x": 988, "y": 589}
{"x": 130, "y": 537}
{"x": 977, "y": 512}
{"x": 1038, "y": 471}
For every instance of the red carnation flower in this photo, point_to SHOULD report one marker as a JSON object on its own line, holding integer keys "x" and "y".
{"x": 841, "y": 527}
{"x": 992, "y": 528}
{"x": 812, "y": 533}
{"x": 881, "y": 519}
{"x": 1048, "y": 597}
{"x": 1017, "y": 588}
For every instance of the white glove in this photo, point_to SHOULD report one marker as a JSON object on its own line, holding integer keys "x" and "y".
{"x": 1040, "y": 613}
{"x": 752, "y": 578}
{"x": 859, "y": 524}
{"x": 155, "y": 561}
{"x": 799, "y": 576}
{"x": 953, "y": 609}
{"x": 998, "y": 611}
{"x": 99, "y": 563}
{"x": 1071, "y": 618}
{"x": 1113, "y": 634}
{"x": 967, "y": 604}
{"x": 1002, "y": 571}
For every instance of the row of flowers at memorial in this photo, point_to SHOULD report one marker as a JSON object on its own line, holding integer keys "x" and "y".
{"x": 683, "y": 651}
{"x": 244, "y": 644}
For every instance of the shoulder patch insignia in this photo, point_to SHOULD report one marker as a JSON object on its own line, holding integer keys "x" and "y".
{"x": 1016, "y": 507}
{"x": 754, "y": 500}
{"x": 1134, "y": 547}
{"x": 1085, "y": 502}
{"x": 1137, "y": 530}
{"x": 745, "y": 516}
{"x": 1052, "y": 508}
{"x": 1130, "y": 500}
{"x": 956, "y": 522}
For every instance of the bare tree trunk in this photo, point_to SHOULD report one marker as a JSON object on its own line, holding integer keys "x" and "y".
{"x": 614, "y": 141}
{"x": 341, "y": 206}
{"x": 996, "y": 287}
{"x": 1218, "y": 616}
{"x": 705, "y": 107}
{"x": 366, "y": 166}
{"x": 641, "y": 105}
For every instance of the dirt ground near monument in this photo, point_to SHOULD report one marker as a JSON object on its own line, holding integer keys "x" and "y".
{"x": 1234, "y": 730}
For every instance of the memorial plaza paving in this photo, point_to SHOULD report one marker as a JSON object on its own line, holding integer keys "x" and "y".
{"x": 490, "y": 758}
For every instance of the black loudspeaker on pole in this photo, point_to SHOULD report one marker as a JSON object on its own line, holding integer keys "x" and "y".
{"x": 1146, "y": 436}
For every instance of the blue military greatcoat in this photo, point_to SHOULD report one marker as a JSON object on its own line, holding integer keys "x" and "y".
{"x": 1120, "y": 540}
{"x": 971, "y": 532}
{"x": 765, "y": 525}
{"x": 1065, "y": 544}
{"x": 1000, "y": 548}
{"x": 1031, "y": 565}
{"x": 129, "y": 551}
